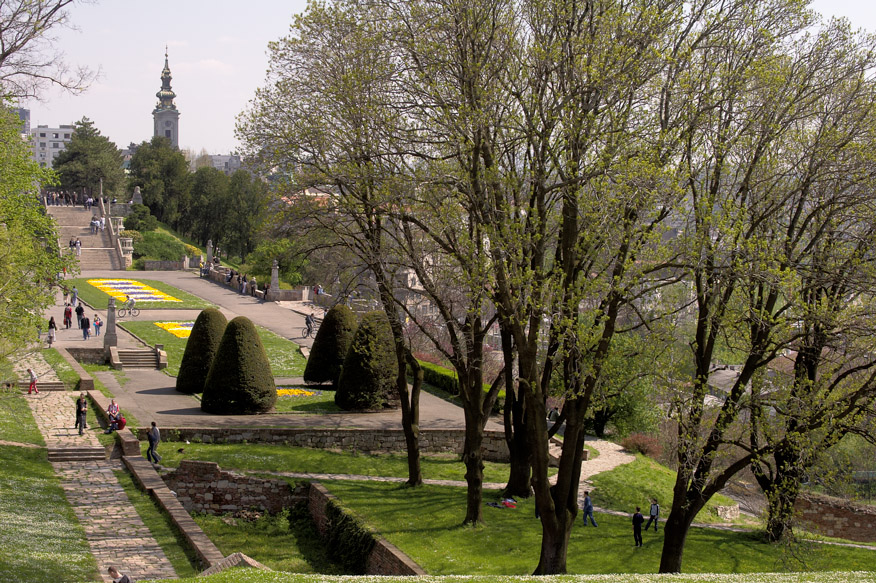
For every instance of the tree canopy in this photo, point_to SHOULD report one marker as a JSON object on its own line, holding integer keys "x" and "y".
{"x": 88, "y": 159}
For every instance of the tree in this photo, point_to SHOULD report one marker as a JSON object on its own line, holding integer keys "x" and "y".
{"x": 29, "y": 258}
{"x": 368, "y": 376}
{"x": 330, "y": 346}
{"x": 240, "y": 381}
{"x": 209, "y": 218}
{"x": 28, "y": 59}
{"x": 140, "y": 219}
{"x": 201, "y": 348}
{"x": 161, "y": 172}
{"x": 89, "y": 160}
{"x": 247, "y": 203}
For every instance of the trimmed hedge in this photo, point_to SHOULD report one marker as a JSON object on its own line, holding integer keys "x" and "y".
{"x": 240, "y": 380}
{"x": 368, "y": 378}
{"x": 200, "y": 350}
{"x": 330, "y": 346}
{"x": 447, "y": 380}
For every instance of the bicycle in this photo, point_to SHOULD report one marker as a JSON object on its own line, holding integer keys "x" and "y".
{"x": 305, "y": 332}
{"x": 125, "y": 311}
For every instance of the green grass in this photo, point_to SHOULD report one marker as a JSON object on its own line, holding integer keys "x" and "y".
{"x": 284, "y": 355}
{"x": 633, "y": 484}
{"x": 322, "y": 402}
{"x": 62, "y": 368}
{"x": 100, "y": 300}
{"x": 241, "y": 575}
{"x": 173, "y": 544}
{"x": 40, "y": 539}
{"x": 263, "y": 457}
{"x": 274, "y": 541}
{"x": 92, "y": 368}
{"x": 16, "y": 420}
{"x": 425, "y": 523}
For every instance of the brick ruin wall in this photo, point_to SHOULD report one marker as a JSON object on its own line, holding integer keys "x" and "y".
{"x": 837, "y": 518}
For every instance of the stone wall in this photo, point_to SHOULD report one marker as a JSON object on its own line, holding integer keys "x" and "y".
{"x": 203, "y": 487}
{"x": 153, "y": 265}
{"x": 89, "y": 355}
{"x": 384, "y": 559}
{"x": 363, "y": 440}
{"x": 834, "y": 517}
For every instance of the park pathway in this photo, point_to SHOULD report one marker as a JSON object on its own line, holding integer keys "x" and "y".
{"x": 115, "y": 532}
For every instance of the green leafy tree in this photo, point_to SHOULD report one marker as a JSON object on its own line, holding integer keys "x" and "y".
{"x": 208, "y": 218}
{"x": 287, "y": 252}
{"x": 140, "y": 219}
{"x": 367, "y": 380}
{"x": 330, "y": 346}
{"x": 247, "y": 202}
{"x": 29, "y": 259}
{"x": 162, "y": 173}
{"x": 201, "y": 348}
{"x": 240, "y": 381}
{"x": 88, "y": 159}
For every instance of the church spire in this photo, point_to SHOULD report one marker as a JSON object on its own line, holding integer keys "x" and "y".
{"x": 165, "y": 95}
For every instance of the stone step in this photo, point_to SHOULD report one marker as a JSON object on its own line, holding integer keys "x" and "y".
{"x": 43, "y": 385}
{"x": 86, "y": 453}
{"x": 138, "y": 359}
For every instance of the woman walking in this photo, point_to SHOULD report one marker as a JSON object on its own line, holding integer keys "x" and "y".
{"x": 53, "y": 328}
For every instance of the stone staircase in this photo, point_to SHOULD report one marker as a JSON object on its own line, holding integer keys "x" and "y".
{"x": 142, "y": 358}
{"x": 97, "y": 250}
{"x": 76, "y": 454}
{"x": 43, "y": 385}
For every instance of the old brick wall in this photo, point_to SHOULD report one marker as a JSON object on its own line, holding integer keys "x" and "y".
{"x": 203, "y": 487}
{"x": 363, "y": 440}
{"x": 838, "y": 518}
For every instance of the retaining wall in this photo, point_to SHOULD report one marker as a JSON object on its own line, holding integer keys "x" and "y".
{"x": 834, "y": 517}
{"x": 363, "y": 440}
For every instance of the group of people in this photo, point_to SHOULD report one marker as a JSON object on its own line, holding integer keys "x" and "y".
{"x": 245, "y": 285}
{"x": 76, "y": 246}
{"x": 638, "y": 517}
{"x": 66, "y": 198}
{"x": 82, "y": 322}
{"x": 97, "y": 224}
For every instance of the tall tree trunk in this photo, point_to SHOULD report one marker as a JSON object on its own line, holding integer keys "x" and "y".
{"x": 410, "y": 404}
{"x": 473, "y": 459}
{"x": 674, "y": 536}
{"x": 519, "y": 451}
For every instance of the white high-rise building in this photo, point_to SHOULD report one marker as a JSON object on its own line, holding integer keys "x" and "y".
{"x": 48, "y": 142}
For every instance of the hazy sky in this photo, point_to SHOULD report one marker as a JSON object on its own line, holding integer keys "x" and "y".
{"x": 218, "y": 58}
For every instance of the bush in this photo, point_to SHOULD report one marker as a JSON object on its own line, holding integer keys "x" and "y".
{"x": 348, "y": 540}
{"x": 440, "y": 377}
{"x": 200, "y": 349}
{"x": 643, "y": 443}
{"x": 135, "y": 236}
{"x": 240, "y": 379}
{"x": 330, "y": 346}
{"x": 140, "y": 219}
{"x": 191, "y": 250}
{"x": 159, "y": 246}
{"x": 368, "y": 377}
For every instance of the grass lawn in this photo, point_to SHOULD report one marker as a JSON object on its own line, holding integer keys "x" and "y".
{"x": 425, "y": 523}
{"x": 276, "y": 541}
{"x": 16, "y": 421}
{"x": 284, "y": 355}
{"x": 159, "y": 524}
{"x": 241, "y": 575}
{"x": 263, "y": 457}
{"x": 62, "y": 368}
{"x": 631, "y": 485}
{"x": 99, "y": 300}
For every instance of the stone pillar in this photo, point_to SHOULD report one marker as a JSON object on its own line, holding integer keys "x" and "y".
{"x": 209, "y": 251}
{"x": 275, "y": 276}
{"x": 137, "y": 198}
{"x": 110, "y": 338}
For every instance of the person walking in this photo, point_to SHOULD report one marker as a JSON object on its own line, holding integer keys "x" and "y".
{"x": 97, "y": 324}
{"x": 588, "y": 509}
{"x": 154, "y": 436}
{"x": 638, "y": 519}
{"x": 68, "y": 316}
{"x": 33, "y": 380}
{"x": 75, "y": 297}
{"x": 80, "y": 313}
{"x": 86, "y": 328}
{"x": 81, "y": 412}
{"x": 53, "y": 329}
{"x": 653, "y": 514}
{"x": 78, "y": 248}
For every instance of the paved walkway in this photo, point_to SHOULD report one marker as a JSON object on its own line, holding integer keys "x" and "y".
{"x": 115, "y": 532}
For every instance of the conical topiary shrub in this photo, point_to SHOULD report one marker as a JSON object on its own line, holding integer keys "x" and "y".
{"x": 240, "y": 380}
{"x": 200, "y": 349}
{"x": 368, "y": 378}
{"x": 330, "y": 346}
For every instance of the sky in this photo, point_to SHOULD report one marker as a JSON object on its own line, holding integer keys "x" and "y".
{"x": 218, "y": 58}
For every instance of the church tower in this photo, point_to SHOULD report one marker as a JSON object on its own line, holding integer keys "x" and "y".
{"x": 165, "y": 114}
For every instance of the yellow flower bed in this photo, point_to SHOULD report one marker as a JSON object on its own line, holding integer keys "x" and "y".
{"x": 119, "y": 288}
{"x": 289, "y": 392}
{"x": 178, "y": 329}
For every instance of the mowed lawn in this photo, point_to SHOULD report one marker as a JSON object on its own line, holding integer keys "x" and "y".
{"x": 284, "y": 355}
{"x": 100, "y": 300}
{"x": 425, "y": 523}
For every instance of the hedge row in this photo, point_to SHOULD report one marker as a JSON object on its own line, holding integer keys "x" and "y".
{"x": 348, "y": 540}
{"x": 446, "y": 380}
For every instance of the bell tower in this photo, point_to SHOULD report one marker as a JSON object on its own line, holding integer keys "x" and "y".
{"x": 165, "y": 115}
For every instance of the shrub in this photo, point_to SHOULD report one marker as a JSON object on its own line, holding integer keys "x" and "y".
{"x": 140, "y": 219}
{"x": 135, "y": 236}
{"x": 159, "y": 246}
{"x": 240, "y": 379}
{"x": 440, "y": 377}
{"x": 200, "y": 349}
{"x": 643, "y": 443}
{"x": 348, "y": 540}
{"x": 191, "y": 250}
{"x": 368, "y": 377}
{"x": 330, "y": 346}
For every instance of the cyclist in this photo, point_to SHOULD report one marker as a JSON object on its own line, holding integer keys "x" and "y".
{"x": 308, "y": 321}
{"x": 129, "y": 303}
